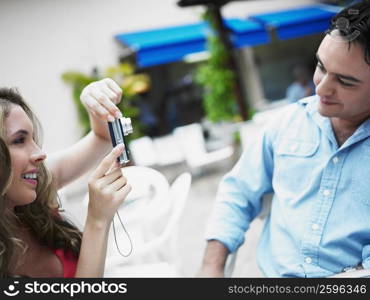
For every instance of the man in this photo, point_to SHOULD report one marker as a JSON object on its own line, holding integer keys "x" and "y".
{"x": 302, "y": 86}
{"x": 315, "y": 158}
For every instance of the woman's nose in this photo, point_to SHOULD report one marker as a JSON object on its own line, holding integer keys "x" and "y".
{"x": 38, "y": 156}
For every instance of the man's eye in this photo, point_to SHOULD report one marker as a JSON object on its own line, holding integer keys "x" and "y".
{"x": 320, "y": 67}
{"x": 345, "y": 83}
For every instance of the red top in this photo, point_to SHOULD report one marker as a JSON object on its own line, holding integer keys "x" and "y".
{"x": 69, "y": 262}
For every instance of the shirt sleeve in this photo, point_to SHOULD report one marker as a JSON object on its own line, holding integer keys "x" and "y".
{"x": 239, "y": 196}
{"x": 366, "y": 257}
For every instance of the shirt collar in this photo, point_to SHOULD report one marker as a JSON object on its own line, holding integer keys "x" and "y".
{"x": 311, "y": 104}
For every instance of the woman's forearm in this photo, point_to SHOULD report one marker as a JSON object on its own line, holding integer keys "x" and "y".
{"x": 108, "y": 188}
{"x": 93, "y": 251}
{"x": 69, "y": 164}
{"x": 99, "y": 127}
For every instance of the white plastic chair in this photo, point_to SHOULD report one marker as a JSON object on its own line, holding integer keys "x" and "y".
{"x": 148, "y": 185}
{"x": 160, "y": 151}
{"x": 143, "y": 151}
{"x": 190, "y": 138}
{"x": 167, "y": 150}
{"x": 156, "y": 257}
{"x": 149, "y": 188}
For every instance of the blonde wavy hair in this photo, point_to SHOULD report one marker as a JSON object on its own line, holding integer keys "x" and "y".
{"x": 41, "y": 216}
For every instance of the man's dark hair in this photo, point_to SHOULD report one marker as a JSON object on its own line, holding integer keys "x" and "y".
{"x": 353, "y": 23}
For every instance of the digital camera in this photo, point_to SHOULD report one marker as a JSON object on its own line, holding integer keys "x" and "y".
{"x": 118, "y": 129}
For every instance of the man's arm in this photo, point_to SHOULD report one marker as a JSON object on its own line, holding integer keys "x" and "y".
{"x": 214, "y": 259}
{"x": 238, "y": 202}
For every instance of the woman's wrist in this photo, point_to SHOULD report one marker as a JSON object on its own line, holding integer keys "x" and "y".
{"x": 99, "y": 127}
{"x": 97, "y": 224}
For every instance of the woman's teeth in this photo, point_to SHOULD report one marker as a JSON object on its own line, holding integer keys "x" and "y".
{"x": 29, "y": 176}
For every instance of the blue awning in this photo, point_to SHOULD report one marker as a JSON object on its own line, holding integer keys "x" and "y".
{"x": 246, "y": 33}
{"x": 298, "y": 22}
{"x": 170, "y": 44}
{"x": 159, "y": 46}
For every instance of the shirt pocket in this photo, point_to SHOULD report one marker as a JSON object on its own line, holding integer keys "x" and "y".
{"x": 294, "y": 164}
{"x": 361, "y": 175}
{"x": 293, "y": 147}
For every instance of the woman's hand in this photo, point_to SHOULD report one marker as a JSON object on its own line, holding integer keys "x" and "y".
{"x": 107, "y": 189}
{"x": 100, "y": 99}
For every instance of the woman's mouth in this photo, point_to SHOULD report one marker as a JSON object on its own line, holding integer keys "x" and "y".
{"x": 31, "y": 178}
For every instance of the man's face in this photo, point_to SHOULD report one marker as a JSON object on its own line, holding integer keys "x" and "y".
{"x": 342, "y": 80}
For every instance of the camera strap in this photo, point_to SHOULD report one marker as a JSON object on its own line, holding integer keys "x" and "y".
{"x": 127, "y": 234}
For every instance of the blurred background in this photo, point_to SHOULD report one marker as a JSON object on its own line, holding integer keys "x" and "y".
{"x": 199, "y": 79}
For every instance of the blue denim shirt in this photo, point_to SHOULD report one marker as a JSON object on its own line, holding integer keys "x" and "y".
{"x": 319, "y": 222}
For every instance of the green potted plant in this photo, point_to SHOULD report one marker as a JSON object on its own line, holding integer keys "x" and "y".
{"x": 132, "y": 85}
{"x": 218, "y": 83}
{"x": 217, "y": 80}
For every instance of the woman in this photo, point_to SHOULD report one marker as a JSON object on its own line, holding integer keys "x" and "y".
{"x": 35, "y": 241}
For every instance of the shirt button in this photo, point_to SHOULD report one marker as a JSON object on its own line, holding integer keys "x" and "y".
{"x": 335, "y": 160}
{"x": 315, "y": 226}
{"x": 308, "y": 260}
{"x": 326, "y": 193}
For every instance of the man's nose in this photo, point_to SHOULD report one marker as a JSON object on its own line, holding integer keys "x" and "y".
{"x": 325, "y": 87}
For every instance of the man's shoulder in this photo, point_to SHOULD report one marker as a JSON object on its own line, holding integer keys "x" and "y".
{"x": 308, "y": 101}
{"x": 300, "y": 109}
{"x": 296, "y": 110}
{"x": 291, "y": 118}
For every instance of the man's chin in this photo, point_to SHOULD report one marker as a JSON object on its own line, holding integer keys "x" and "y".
{"x": 325, "y": 112}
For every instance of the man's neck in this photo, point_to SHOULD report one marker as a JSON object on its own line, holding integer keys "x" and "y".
{"x": 343, "y": 129}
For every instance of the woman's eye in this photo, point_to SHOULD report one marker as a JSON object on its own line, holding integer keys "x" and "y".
{"x": 20, "y": 140}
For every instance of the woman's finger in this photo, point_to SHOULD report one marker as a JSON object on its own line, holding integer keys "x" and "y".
{"x": 107, "y": 162}
{"x": 115, "y": 87}
{"x": 113, "y": 167}
{"x": 90, "y": 101}
{"x": 117, "y": 184}
{"x": 106, "y": 98}
{"x": 105, "y": 107}
{"x": 122, "y": 193}
{"x": 93, "y": 102}
{"x": 109, "y": 92}
{"x": 110, "y": 177}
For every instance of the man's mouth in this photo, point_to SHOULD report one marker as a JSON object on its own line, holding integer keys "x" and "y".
{"x": 327, "y": 102}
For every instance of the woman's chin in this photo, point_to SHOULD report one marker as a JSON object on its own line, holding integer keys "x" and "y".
{"x": 25, "y": 200}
